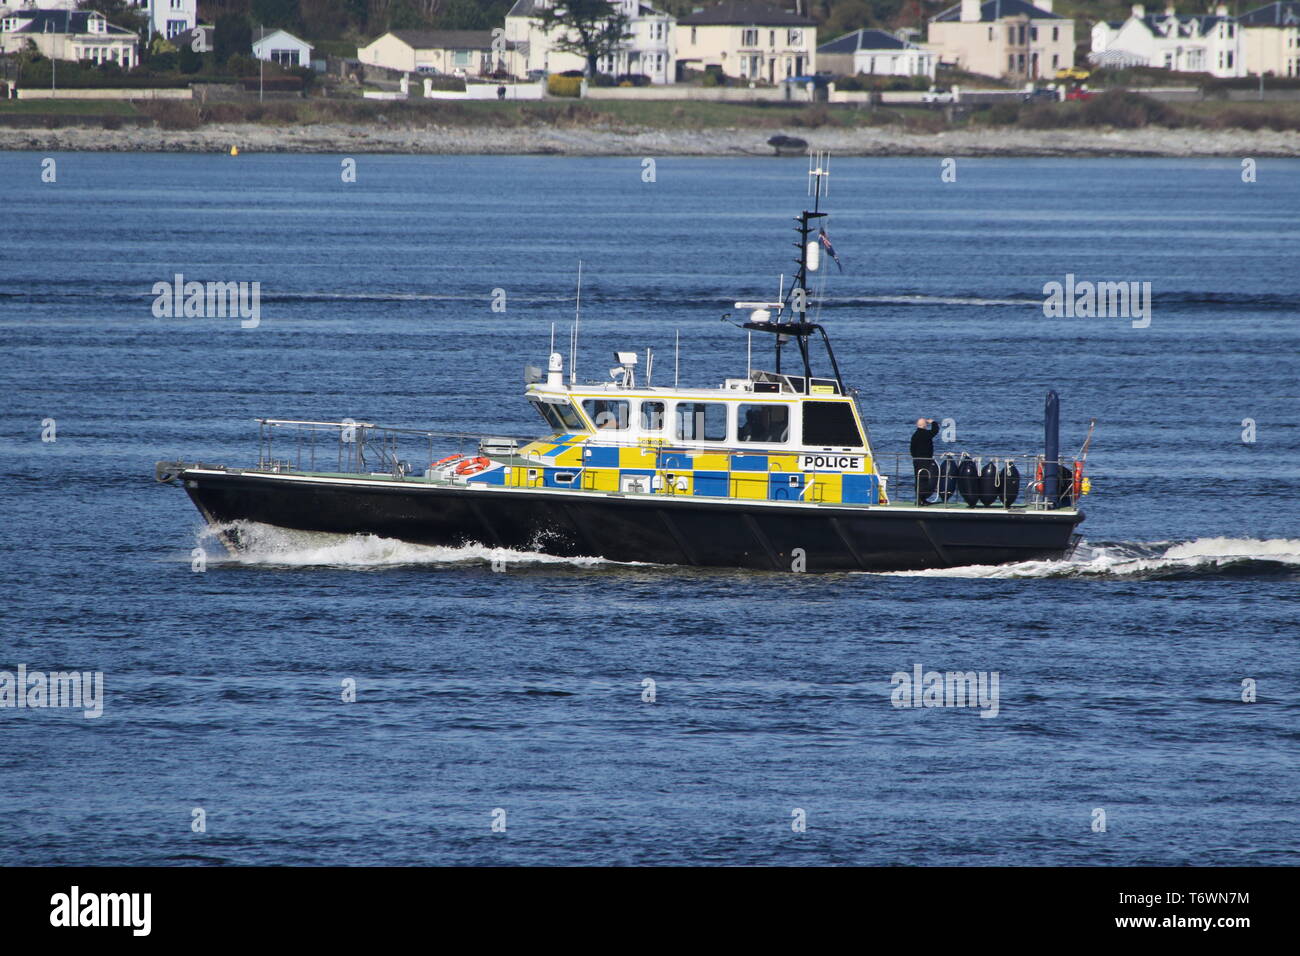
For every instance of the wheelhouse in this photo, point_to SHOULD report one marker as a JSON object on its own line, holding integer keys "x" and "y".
{"x": 737, "y": 415}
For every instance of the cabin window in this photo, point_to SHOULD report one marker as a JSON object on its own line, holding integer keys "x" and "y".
{"x": 702, "y": 421}
{"x": 652, "y": 416}
{"x": 549, "y": 413}
{"x": 561, "y": 416}
{"x": 763, "y": 423}
{"x": 570, "y": 417}
{"x": 830, "y": 424}
{"x": 607, "y": 413}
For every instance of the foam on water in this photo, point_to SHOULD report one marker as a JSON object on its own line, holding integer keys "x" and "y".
{"x": 262, "y": 544}
{"x": 270, "y": 546}
{"x": 1163, "y": 559}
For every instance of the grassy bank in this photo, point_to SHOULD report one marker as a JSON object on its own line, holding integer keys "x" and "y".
{"x": 1118, "y": 110}
{"x": 1125, "y": 110}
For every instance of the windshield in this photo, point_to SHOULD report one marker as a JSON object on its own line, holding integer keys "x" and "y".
{"x": 560, "y": 417}
{"x": 547, "y": 413}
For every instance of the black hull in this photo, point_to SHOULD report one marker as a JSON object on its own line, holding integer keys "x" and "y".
{"x": 681, "y": 530}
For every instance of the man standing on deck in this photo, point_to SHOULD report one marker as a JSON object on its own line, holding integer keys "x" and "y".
{"x": 924, "y": 469}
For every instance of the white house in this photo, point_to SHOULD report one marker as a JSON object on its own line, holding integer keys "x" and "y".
{"x": 875, "y": 52}
{"x": 170, "y": 17}
{"x": 1271, "y": 38}
{"x": 1013, "y": 38}
{"x": 453, "y": 52}
{"x": 69, "y": 35}
{"x": 748, "y": 40}
{"x": 1179, "y": 42}
{"x": 649, "y": 49}
{"x": 280, "y": 46}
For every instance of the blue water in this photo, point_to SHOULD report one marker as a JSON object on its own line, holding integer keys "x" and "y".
{"x": 1120, "y": 671}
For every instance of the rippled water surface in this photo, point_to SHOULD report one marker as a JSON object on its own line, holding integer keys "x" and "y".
{"x": 1120, "y": 671}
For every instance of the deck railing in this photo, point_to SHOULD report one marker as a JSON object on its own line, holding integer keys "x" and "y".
{"x": 350, "y": 447}
{"x": 904, "y": 479}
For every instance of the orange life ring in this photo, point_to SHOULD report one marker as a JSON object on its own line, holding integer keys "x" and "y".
{"x": 442, "y": 461}
{"x": 1038, "y": 477}
{"x": 1078, "y": 480}
{"x": 473, "y": 466}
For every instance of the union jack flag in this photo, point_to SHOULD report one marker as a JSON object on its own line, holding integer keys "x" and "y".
{"x": 826, "y": 243}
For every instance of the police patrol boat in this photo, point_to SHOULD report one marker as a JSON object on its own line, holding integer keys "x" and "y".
{"x": 775, "y": 470}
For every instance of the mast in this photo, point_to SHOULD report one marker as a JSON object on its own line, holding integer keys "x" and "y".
{"x": 818, "y": 169}
{"x": 798, "y": 326}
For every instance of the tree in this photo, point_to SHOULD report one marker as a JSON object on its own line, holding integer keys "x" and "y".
{"x": 232, "y": 34}
{"x": 276, "y": 13}
{"x": 589, "y": 28}
{"x": 189, "y": 61}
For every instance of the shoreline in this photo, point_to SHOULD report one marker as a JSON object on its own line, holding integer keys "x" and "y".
{"x": 346, "y": 138}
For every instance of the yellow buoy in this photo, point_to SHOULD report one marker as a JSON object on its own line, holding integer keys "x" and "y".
{"x": 234, "y": 151}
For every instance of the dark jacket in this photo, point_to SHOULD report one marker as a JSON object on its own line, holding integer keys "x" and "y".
{"x": 922, "y": 446}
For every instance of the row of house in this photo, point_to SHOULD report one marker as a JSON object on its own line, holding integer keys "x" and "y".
{"x": 761, "y": 42}
{"x": 747, "y": 40}
{"x": 1025, "y": 40}
{"x": 60, "y": 31}
{"x": 1263, "y": 41}
{"x": 744, "y": 40}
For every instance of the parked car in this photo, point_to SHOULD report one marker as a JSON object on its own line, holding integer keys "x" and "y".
{"x": 935, "y": 96}
{"x": 1072, "y": 73}
{"x": 1079, "y": 94}
{"x": 1034, "y": 96}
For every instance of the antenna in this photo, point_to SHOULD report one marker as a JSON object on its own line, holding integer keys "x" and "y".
{"x": 819, "y": 168}
{"x": 552, "y": 336}
{"x": 649, "y": 365}
{"x": 577, "y": 315}
{"x": 819, "y": 164}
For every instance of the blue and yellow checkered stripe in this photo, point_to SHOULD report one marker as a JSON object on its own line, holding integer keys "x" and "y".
{"x": 569, "y": 463}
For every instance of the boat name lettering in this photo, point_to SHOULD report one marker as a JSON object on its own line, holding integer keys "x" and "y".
{"x": 830, "y": 462}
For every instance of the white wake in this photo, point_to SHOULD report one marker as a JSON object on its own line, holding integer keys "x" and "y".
{"x": 266, "y": 545}
{"x": 262, "y": 544}
{"x": 1134, "y": 560}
